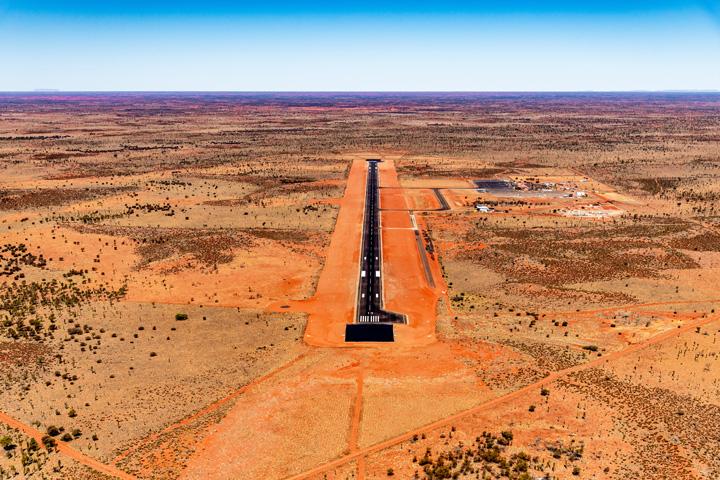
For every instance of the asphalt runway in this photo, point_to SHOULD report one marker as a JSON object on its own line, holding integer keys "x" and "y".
{"x": 369, "y": 300}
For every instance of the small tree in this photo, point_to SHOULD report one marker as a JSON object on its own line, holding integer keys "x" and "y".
{"x": 32, "y": 445}
{"x": 49, "y": 442}
{"x": 6, "y": 442}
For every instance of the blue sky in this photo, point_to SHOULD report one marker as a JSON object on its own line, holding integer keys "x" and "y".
{"x": 368, "y": 45}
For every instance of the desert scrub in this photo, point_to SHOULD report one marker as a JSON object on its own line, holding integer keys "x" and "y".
{"x": 37, "y": 302}
{"x": 486, "y": 455}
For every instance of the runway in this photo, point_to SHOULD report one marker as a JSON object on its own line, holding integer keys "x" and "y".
{"x": 369, "y": 310}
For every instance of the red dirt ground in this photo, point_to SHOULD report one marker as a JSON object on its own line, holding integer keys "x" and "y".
{"x": 405, "y": 289}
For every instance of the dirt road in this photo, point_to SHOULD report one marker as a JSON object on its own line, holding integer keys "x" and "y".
{"x": 361, "y": 453}
{"x": 65, "y": 449}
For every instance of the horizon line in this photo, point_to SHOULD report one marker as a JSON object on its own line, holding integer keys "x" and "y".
{"x": 50, "y": 90}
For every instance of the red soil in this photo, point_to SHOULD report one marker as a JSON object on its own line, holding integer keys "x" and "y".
{"x": 66, "y": 449}
{"x": 405, "y": 287}
{"x": 503, "y": 399}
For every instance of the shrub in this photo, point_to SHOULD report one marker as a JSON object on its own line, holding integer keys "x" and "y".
{"x": 6, "y": 442}
{"x": 181, "y": 316}
{"x": 53, "y": 431}
{"x": 32, "y": 445}
{"x": 49, "y": 442}
{"x": 66, "y": 437}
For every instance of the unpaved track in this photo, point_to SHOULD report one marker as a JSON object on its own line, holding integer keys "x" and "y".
{"x": 356, "y": 421}
{"x": 208, "y": 409}
{"x": 357, "y": 412}
{"x": 361, "y": 453}
{"x": 65, "y": 449}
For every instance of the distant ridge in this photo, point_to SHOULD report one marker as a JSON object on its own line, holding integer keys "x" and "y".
{"x": 689, "y": 91}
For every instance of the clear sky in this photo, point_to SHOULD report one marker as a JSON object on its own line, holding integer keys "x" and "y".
{"x": 369, "y": 45}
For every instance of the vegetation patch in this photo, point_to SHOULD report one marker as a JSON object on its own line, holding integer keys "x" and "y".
{"x": 28, "y": 310}
{"x": 488, "y": 456}
{"x": 657, "y": 421}
{"x": 552, "y": 257}
{"x": 207, "y": 247}
{"x": 46, "y": 197}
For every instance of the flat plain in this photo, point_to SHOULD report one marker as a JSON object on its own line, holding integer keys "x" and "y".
{"x": 177, "y": 270}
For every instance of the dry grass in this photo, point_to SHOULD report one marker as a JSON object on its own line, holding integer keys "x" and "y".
{"x": 222, "y": 206}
